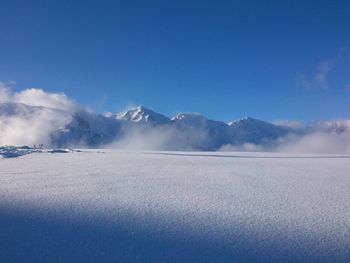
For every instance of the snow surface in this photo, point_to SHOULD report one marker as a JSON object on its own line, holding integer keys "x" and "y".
{"x": 118, "y": 206}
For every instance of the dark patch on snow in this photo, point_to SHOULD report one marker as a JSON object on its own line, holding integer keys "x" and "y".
{"x": 12, "y": 151}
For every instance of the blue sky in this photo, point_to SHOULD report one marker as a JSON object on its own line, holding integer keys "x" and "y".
{"x": 225, "y": 59}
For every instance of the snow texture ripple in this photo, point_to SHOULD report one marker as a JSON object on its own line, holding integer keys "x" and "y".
{"x": 119, "y": 206}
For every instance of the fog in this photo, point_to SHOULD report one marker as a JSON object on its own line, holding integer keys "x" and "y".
{"x": 313, "y": 142}
{"x": 316, "y": 142}
{"x": 148, "y": 137}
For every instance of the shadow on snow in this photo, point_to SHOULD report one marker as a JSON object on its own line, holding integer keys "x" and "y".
{"x": 30, "y": 237}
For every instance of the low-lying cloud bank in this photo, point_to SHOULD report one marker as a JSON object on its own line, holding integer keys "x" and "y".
{"x": 164, "y": 138}
{"x": 33, "y": 117}
{"x": 315, "y": 142}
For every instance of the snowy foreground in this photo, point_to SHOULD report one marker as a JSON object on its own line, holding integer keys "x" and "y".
{"x": 113, "y": 206}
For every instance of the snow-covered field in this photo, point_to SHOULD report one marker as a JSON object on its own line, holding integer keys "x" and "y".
{"x": 118, "y": 206}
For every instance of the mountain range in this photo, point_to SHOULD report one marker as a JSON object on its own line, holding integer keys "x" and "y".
{"x": 185, "y": 131}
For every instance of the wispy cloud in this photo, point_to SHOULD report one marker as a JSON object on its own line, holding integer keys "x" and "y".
{"x": 319, "y": 80}
{"x": 5, "y": 90}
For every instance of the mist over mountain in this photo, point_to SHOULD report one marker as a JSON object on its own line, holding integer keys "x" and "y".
{"x": 142, "y": 128}
{"x": 34, "y": 117}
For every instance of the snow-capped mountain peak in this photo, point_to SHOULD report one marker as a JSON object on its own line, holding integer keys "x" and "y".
{"x": 141, "y": 114}
{"x": 242, "y": 120}
{"x": 188, "y": 117}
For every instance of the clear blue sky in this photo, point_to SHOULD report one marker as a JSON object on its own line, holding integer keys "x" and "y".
{"x": 225, "y": 59}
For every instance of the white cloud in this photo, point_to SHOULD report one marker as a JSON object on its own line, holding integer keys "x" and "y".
{"x": 30, "y": 129}
{"x": 319, "y": 79}
{"x": 36, "y": 97}
{"x": 23, "y": 125}
{"x": 290, "y": 123}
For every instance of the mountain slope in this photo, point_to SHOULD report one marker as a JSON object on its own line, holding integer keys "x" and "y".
{"x": 202, "y": 133}
{"x": 255, "y": 131}
{"x": 87, "y": 130}
{"x": 22, "y": 124}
